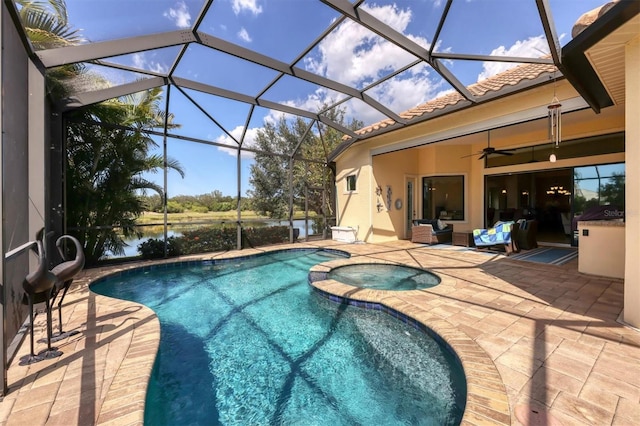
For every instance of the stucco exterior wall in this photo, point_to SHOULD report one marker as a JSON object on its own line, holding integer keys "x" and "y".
{"x": 354, "y": 207}
{"x": 389, "y": 172}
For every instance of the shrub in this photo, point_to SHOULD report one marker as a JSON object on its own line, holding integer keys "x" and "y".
{"x": 196, "y": 208}
{"x": 174, "y": 207}
{"x": 154, "y": 248}
{"x": 208, "y": 239}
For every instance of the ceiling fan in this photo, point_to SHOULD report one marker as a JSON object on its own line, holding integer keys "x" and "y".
{"x": 490, "y": 150}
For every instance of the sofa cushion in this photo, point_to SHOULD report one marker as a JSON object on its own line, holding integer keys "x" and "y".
{"x": 432, "y": 222}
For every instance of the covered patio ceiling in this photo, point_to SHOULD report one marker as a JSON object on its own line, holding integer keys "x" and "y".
{"x": 238, "y": 63}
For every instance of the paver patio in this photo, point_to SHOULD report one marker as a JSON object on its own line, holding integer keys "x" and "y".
{"x": 540, "y": 343}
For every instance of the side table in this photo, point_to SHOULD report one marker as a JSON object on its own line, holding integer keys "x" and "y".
{"x": 464, "y": 238}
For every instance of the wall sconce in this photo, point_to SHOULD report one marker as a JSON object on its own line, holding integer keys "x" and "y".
{"x": 379, "y": 204}
{"x": 504, "y": 191}
{"x": 388, "y": 197}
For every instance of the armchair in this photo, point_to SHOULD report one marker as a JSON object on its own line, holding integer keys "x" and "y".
{"x": 431, "y": 231}
{"x": 527, "y": 237}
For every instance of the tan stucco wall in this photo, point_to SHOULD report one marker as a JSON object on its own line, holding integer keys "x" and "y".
{"x": 389, "y": 171}
{"x": 353, "y": 208}
{"x": 632, "y": 201}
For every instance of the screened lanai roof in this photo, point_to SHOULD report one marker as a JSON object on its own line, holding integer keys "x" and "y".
{"x": 240, "y": 62}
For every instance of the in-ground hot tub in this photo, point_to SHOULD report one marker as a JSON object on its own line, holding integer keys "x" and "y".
{"x": 382, "y": 276}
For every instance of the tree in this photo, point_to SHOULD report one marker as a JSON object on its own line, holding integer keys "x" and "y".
{"x": 316, "y": 176}
{"x": 105, "y": 166}
{"x": 613, "y": 191}
{"x": 270, "y": 172}
{"x": 46, "y": 24}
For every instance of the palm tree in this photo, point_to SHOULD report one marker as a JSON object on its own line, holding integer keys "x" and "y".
{"x": 105, "y": 170}
{"x": 46, "y": 24}
{"x": 105, "y": 164}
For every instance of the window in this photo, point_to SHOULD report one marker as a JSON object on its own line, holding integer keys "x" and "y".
{"x": 443, "y": 197}
{"x": 598, "y": 186}
{"x": 351, "y": 183}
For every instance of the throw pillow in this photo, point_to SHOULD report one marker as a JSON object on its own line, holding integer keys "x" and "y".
{"x": 441, "y": 225}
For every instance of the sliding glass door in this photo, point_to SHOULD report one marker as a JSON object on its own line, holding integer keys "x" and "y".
{"x": 555, "y": 197}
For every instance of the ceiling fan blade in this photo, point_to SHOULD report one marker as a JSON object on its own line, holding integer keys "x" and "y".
{"x": 503, "y": 152}
{"x": 471, "y": 155}
{"x": 484, "y": 154}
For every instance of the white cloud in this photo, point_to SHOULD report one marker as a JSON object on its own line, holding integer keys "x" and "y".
{"x": 403, "y": 94}
{"x": 244, "y": 35}
{"x": 180, "y": 15}
{"x": 249, "y": 141}
{"x": 532, "y": 47}
{"x": 250, "y": 6}
{"x": 391, "y": 15}
{"x": 355, "y": 56}
{"x": 140, "y": 60}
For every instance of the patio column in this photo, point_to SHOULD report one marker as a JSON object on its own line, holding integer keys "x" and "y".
{"x": 632, "y": 185}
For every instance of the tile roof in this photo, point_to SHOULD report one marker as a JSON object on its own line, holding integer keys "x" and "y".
{"x": 589, "y": 18}
{"x": 511, "y": 77}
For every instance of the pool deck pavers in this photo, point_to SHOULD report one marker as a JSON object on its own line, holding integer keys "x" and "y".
{"x": 540, "y": 344}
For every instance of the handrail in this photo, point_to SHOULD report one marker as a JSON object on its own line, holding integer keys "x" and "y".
{"x": 20, "y": 249}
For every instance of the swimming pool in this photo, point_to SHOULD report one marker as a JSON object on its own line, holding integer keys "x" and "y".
{"x": 248, "y": 342}
{"x": 383, "y": 276}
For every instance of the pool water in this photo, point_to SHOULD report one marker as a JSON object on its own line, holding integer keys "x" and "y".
{"x": 249, "y": 342}
{"x": 382, "y": 276}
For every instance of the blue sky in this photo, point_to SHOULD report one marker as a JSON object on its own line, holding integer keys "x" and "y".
{"x": 282, "y": 29}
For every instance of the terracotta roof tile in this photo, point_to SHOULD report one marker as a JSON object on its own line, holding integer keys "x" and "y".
{"x": 494, "y": 83}
{"x": 589, "y": 18}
